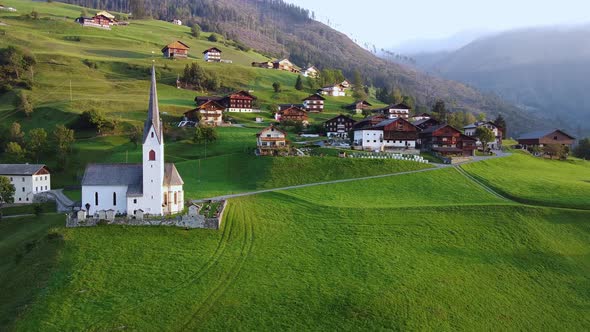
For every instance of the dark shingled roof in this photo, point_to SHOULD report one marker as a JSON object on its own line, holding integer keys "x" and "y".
{"x": 153, "y": 118}
{"x": 113, "y": 175}
{"x": 20, "y": 169}
{"x": 542, "y": 133}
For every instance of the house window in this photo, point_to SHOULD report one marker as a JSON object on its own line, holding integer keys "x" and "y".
{"x": 152, "y": 155}
{"x": 23, "y": 179}
{"x": 135, "y": 201}
{"x": 96, "y": 198}
{"x": 555, "y": 138}
{"x": 11, "y": 179}
{"x": 114, "y": 199}
{"x": 45, "y": 187}
{"x": 165, "y": 198}
{"x": 45, "y": 177}
{"x": 23, "y": 189}
{"x": 152, "y": 135}
{"x": 176, "y": 197}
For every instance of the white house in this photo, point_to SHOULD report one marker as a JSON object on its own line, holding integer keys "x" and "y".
{"x": 314, "y": 103}
{"x": 388, "y": 135}
{"x": 176, "y": 22}
{"x": 153, "y": 186}
{"x": 312, "y": 72}
{"x": 470, "y": 129}
{"x": 27, "y": 179}
{"x": 212, "y": 55}
{"x": 335, "y": 90}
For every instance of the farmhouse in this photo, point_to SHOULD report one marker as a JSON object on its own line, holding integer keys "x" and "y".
{"x": 292, "y": 114}
{"x": 425, "y": 123}
{"x": 285, "y": 65}
{"x": 27, "y": 179}
{"x": 209, "y": 113}
{"x": 470, "y": 130}
{"x": 314, "y": 103}
{"x": 336, "y": 90}
{"x": 97, "y": 21}
{"x": 446, "y": 141}
{"x": 285, "y": 106}
{"x": 236, "y": 102}
{"x": 388, "y": 135}
{"x": 176, "y": 50}
{"x": 152, "y": 187}
{"x": 400, "y": 110}
{"x": 312, "y": 72}
{"x": 358, "y": 106}
{"x": 339, "y": 126}
{"x": 176, "y": 22}
{"x": 212, "y": 55}
{"x": 272, "y": 141}
{"x": 266, "y": 64}
{"x": 418, "y": 117}
{"x": 546, "y": 137}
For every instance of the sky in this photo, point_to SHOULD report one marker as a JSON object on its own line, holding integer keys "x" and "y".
{"x": 394, "y": 23}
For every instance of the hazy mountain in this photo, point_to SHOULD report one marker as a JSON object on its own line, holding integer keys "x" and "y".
{"x": 545, "y": 70}
{"x": 436, "y": 45}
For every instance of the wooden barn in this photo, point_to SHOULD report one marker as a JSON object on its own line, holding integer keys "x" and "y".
{"x": 176, "y": 50}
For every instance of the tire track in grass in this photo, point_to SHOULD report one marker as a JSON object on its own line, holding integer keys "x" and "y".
{"x": 212, "y": 261}
{"x": 228, "y": 278}
{"x": 480, "y": 184}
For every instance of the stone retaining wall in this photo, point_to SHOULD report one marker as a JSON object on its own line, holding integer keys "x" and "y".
{"x": 192, "y": 220}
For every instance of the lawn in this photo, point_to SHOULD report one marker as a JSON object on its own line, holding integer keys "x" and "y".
{"x": 329, "y": 259}
{"x": 236, "y": 173}
{"x": 537, "y": 181}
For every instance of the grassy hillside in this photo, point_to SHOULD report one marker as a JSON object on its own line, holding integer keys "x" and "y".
{"x": 64, "y": 86}
{"x": 537, "y": 181}
{"x": 427, "y": 251}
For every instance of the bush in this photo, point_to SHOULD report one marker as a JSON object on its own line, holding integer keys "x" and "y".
{"x": 196, "y": 77}
{"x": 90, "y": 64}
{"x": 73, "y": 38}
{"x": 213, "y": 38}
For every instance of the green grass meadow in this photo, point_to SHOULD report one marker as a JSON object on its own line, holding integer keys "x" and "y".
{"x": 349, "y": 256}
{"x": 429, "y": 251}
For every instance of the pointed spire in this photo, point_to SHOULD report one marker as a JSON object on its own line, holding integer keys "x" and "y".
{"x": 153, "y": 118}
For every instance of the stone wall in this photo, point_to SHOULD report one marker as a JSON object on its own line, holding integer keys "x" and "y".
{"x": 192, "y": 220}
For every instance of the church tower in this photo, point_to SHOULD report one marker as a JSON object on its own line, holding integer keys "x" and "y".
{"x": 153, "y": 155}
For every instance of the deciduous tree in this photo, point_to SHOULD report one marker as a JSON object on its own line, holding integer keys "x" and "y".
{"x": 37, "y": 142}
{"x": 64, "y": 140}
{"x": 582, "y": 150}
{"x": 14, "y": 153}
{"x": 15, "y": 133}
{"x": 277, "y": 87}
{"x": 299, "y": 83}
{"x": 485, "y": 136}
{"x": 6, "y": 192}
{"x": 24, "y": 105}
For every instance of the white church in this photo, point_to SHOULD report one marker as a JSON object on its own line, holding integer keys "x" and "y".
{"x": 154, "y": 187}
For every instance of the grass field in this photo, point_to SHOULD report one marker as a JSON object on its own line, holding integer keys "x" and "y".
{"x": 429, "y": 251}
{"x": 537, "y": 181}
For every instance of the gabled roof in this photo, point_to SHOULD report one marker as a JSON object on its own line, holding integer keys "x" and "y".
{"x": 420, "y": 122}
{"x": 341, "y": 116}
{"x": 113, "y": 175}
{"x": 435, "y": 128}
{"x": 292, "y": 109}
{"x": 105, "y": 14}
{"x": 543, "y": 133}
{"x": 153, "y": 118}
{"x": 314, "y": 96}
{"x": 271, "y": 127}
{"x": 399, "y": 106}
{"x": 212, "y": 49}
{"x": 243, "y": 93}
{"x": 203, "y": 99}
{"x": 177, "y": 44}
{"x": 311, "y": 68}
{"x": 211, "y": 102}
{"x": 21, "y": 169}
{"x": 171, "y": 176}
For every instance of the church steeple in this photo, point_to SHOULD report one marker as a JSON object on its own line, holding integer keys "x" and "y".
{"x": 153, "y": 118}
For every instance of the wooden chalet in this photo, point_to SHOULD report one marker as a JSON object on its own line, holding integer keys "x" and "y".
{"x": 265, "y": 64}
{"x": 424, "y": 124}
{"x": 314, "y": 103}
{"x": 339, "y": 126}
{"x": 212, "y": 55}
{"x": 209, "y": 113}
{"x": 97, "y": 21}
{"x": 285, "y": 106}
{"x": 370, "y": 121}
{"x": 336, "y": 90}
{"x": 176, "y": 50}
{"x": 400, "y": 110}
{"x": 447, "y": 141}
{"x": 286, "y": 65}
{"x": 358, "y": 106}
{"x": 272, "y": 141}
{"x": 546, "y": 137}
{"x": 292, "y": 114}
{"x": 236, "y": 102}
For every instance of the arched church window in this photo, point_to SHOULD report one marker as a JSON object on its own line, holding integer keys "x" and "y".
{"x": 114, "y": 199}
{"x": 96, "y": 198}
{"x": 152, "y": 134}
{"x": 152, "y": 155}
